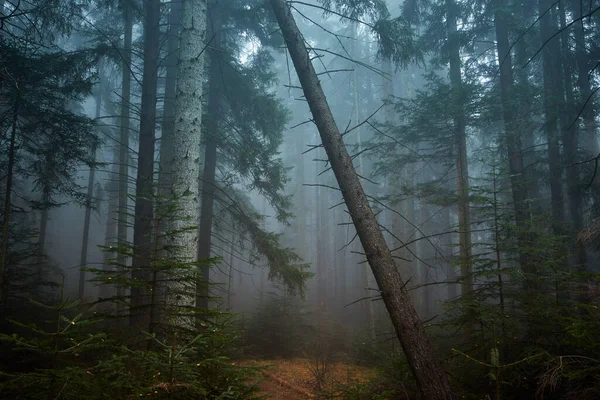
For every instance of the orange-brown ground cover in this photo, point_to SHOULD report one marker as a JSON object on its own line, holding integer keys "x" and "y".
{"x": 295, "y": 379}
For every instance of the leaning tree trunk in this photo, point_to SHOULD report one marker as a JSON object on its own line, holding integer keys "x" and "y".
{"x": 185, "y": 166}
{"x": 431, "y": 380}
{"x": 142, "y": 229}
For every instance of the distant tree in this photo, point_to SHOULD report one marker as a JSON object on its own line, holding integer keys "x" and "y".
{"x": 47, "y": 140}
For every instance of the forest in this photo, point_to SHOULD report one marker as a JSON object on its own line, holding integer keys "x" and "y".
{"x": 299, "y": 199}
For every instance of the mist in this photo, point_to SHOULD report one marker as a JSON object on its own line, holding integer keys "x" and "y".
{"x": 317, "y": 199}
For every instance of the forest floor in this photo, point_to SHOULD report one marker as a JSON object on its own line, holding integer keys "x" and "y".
{"x": 297, "y": 378}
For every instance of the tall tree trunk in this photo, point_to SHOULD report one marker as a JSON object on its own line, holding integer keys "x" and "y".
{"x": 365, "y": 273}
{"x": 321, "y": 246}
{"x": 124, "y": 141}
{"x": 421, "y": 357}
{"x": 511, "y": 132}
{"x": 462, "y": 170}
{"x": 589, "y": 138}
{"x": 142, "y": 229}
{"x": 110, "y": 233}
{"x": 552, "y": 100}
{"x": 425, "y": 252}
{"x": 340, "y": 262}
{"x": 186, "y": 137}
{"x": 446, "y": 242}
{"x": 168, "y": 122}
{"x": 44, "y": 216}
{"x": 88, "y": 211}
{"x": 570, "y": 138}
{"x": 210, "y": 153}
{"x": 525, "y": 107}
{"x": 7, "y": 205}
{"x": 230, "y": 274}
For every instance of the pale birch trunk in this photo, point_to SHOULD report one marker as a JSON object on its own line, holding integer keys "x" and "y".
{"x": 185, "y": 166}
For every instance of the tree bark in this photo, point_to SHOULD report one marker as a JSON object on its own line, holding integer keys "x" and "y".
{"x": 168, "y": 122}
{"x": 421, "y": 357}
{"x": 186, "y": 137}
{"x": 142, "y": 229}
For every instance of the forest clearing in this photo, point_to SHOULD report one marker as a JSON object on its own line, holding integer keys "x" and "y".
{"x": 299, "y": 379}
{"x": 295, "y": 199}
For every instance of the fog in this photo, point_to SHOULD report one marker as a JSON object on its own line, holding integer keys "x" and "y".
{"x": 144, "y": 151}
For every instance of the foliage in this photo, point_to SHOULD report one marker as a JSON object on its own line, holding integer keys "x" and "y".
{"x": 53, "y": 348}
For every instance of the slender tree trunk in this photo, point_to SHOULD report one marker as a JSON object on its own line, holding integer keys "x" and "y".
{"x": 230, "y": 275}
{"x": 110, "y": 233}
{"x": 424, "y": 248}
{"x": 210, "y": 153}
{"x": 421, "y": 357}
{"x": 511, "y": 134}
{"x": 589, "y": 138}
{"x": 44, "y": 216}
{"x": 462, "y": 169}
{"x": 142, "y": 230}
{"x": 365, "y": 273}
{"x": 168, "y": 122}
{"x": 164, "y": 194}
{"x": 186, "y": 137}
{"x": 446, "y": 242}
{"x": 552, "y": 100}
{"x": 340, "y": 264}
{"x": 124, "y": 141}
{"x": 526, "y": 103}
{"x": 7, "y": 205}
{"x": 321, "y": 247}
{"x": 88, "y": 212}
{"x": 570, "y": 140}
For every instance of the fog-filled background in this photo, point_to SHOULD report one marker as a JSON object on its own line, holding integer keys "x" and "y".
{"x": 144, "y": 151}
